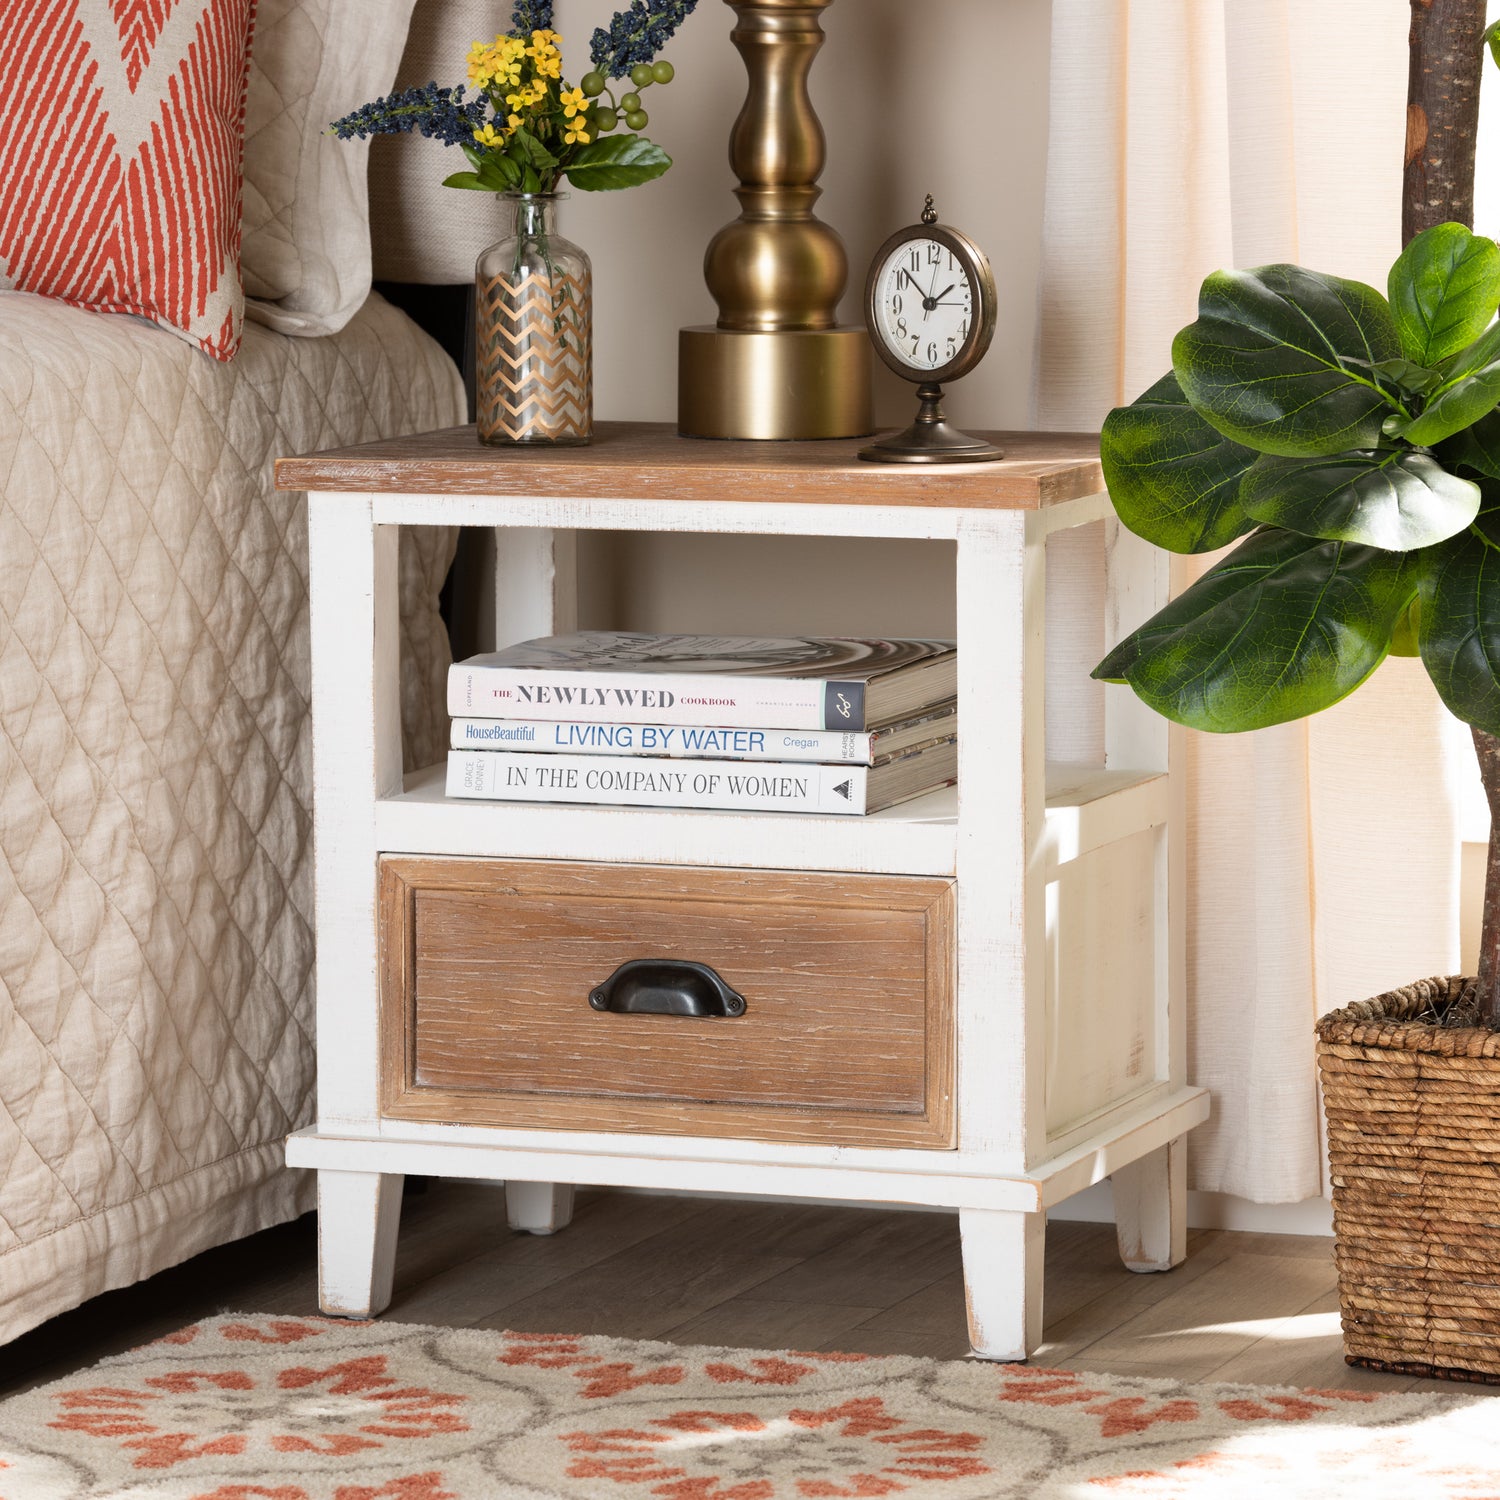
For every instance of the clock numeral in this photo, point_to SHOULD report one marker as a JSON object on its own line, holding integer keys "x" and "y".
{"x": 914, "y": 342}
{"x": 934, "y": 253}
{"x": 963, "y": 329}
{"x": 901, "y": 328}
{"x": 916, "y": 264}
{"x": 952, "y": 350}
{"x": 932, "y": 358}
{"x": 896, "y": 303}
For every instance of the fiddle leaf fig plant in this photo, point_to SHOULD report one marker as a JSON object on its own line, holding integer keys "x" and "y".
{"x": 1356, "y": 440}
{"x": 1349, "y": 442}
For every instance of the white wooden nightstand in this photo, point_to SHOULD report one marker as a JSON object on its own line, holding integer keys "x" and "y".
{"x": 973, "y": 1000}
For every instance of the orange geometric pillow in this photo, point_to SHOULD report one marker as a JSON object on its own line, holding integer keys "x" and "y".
{"x": 122, "y": 126}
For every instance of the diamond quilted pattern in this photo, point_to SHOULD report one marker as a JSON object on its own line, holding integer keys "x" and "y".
{"x": 155, "y": 762}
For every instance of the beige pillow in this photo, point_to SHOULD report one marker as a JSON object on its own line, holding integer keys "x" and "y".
{"x": 306, "y": 251}
{"x": 423, "y": 231}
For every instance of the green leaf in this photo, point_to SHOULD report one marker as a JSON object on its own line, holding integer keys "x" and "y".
{"x": 1444, "y": 289}
{"x": 1414, "y": 379}
{"x": 1285, "y": 626}
{"x": 1405, "y": 632}
{"x": 475, "y": 157}
{"x": 1460, "y": 622}
{"x": 1280, "y": 357}
{"x": 1492, "y": 36}
{"x": 1173, "y": 479}
{"x": 469, "y": 180}
{"x": 616, "y": 161}
{"x": 499, "y": 173}
{"x": 1391, "y": 497}
{"x": 528, "y": 150}
{"x": 1476, "y": 448}
{"x": 1470, "y": 390}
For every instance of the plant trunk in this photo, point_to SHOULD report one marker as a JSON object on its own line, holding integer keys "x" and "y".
{"x": 1442, "y": 123}
{"x": 1442, "y": 113}
{"x": 1487, "y": 747}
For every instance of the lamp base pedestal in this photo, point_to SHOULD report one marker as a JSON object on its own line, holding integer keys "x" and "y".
{"x": 802, "y": 384}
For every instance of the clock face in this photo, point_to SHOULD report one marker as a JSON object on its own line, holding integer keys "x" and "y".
{"x": 923, "y": 304}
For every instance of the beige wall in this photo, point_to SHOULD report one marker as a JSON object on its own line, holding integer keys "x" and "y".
{"x": 947, "y": 97}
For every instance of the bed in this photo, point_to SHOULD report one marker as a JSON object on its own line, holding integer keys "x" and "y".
{"x": 156, "y": 1000}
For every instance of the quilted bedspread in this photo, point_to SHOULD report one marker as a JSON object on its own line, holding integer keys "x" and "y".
{"x": 156, "y": 1003}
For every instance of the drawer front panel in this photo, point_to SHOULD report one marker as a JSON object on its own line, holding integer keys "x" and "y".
{"x": 846, "y": 1032}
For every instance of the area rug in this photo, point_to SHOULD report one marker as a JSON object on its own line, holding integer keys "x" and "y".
{"x": 257, "y": 1408}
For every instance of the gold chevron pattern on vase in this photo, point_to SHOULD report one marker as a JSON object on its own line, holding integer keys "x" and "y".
{"x": 535, "y": 361}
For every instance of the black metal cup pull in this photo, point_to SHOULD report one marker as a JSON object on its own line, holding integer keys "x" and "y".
{"x": 666, "y": 987}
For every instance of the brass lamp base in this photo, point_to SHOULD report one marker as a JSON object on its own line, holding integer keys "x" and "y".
{"x": 806, "y": 383}
{"x": 930, "y": 440}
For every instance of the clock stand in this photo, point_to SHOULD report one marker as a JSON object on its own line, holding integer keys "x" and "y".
{"x": 972, "y": 1001}
{"x": 929, "y": 439}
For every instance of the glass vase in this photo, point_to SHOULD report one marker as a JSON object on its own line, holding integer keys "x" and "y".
{"x": 533, "y": 308}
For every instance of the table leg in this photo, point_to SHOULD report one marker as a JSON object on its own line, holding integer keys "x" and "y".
{"x": 1150, "y": 1197}
{"x": 538, "y": 1207}
{"x": 1002, "y": 1252}
{"x": 358, "y": 1216}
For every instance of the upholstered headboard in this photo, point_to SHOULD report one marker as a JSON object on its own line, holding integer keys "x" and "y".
{"x": 421, "y": 231}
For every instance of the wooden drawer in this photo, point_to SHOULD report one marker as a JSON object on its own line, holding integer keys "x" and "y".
{"x": 846, "y": 1034}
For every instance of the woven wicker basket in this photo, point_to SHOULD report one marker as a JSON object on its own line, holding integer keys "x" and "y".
{"x": 1413, "y": 1116}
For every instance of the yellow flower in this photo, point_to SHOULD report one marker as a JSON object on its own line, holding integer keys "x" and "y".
{"x": 488, "y": 136}
{"x": 577, "y": 130}
{"x": 514, "y": 122}
{"x": 573, "y": 101}
{"x": 549, "y": 66}
{"x": 508, "y": 65}
{"x": 481, "y": 65}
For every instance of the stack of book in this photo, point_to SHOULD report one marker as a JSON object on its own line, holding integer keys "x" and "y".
{"x": 803, "y": 725}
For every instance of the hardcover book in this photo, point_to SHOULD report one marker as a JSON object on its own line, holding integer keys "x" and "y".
{"x": 606, "y": 737}
{"x": 650, "y": 781}
{"x": 731, "y": 681}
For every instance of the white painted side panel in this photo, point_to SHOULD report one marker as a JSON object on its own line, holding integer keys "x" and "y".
{"x": 1101, "y": 979}
{"x": 1001, "y": 777}
{"x": 356, "y": 758}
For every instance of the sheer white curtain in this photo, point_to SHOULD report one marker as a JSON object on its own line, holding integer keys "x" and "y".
{"x": 1186, "y": 135}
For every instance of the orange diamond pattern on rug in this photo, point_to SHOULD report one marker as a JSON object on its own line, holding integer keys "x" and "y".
{"x": 312, "y": 1409}
{"x": 535, "y": 359}
{"x": 122, "y": 129}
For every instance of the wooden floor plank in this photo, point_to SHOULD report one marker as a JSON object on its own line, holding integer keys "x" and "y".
{"x": 755, "y": 1322}
{"x": 1244, "y": 1307}
{"x": 1305, "y": 1350}
{"x": 886, "y": 1257}
{"x": 1211, "y": 1318}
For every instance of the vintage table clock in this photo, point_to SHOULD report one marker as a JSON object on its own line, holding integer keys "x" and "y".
{"x": 930, "y": 311}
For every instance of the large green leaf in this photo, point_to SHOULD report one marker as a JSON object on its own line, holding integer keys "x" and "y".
{"x": 1281, "y": 359}
{"x": 1284, "y": 626}
{"x": 1460, "y": 622}
{"x": 1476, "y": 448}
{"x": 616, "y": 161}
{"x": 1470, "y": 390}
{"x": 1386, "y": 497}
{"x": 1444, "y": 289}
{"x": 1174, "y": 480}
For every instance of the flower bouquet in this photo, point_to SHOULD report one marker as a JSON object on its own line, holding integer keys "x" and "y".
{"x": 523, "y": 130}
